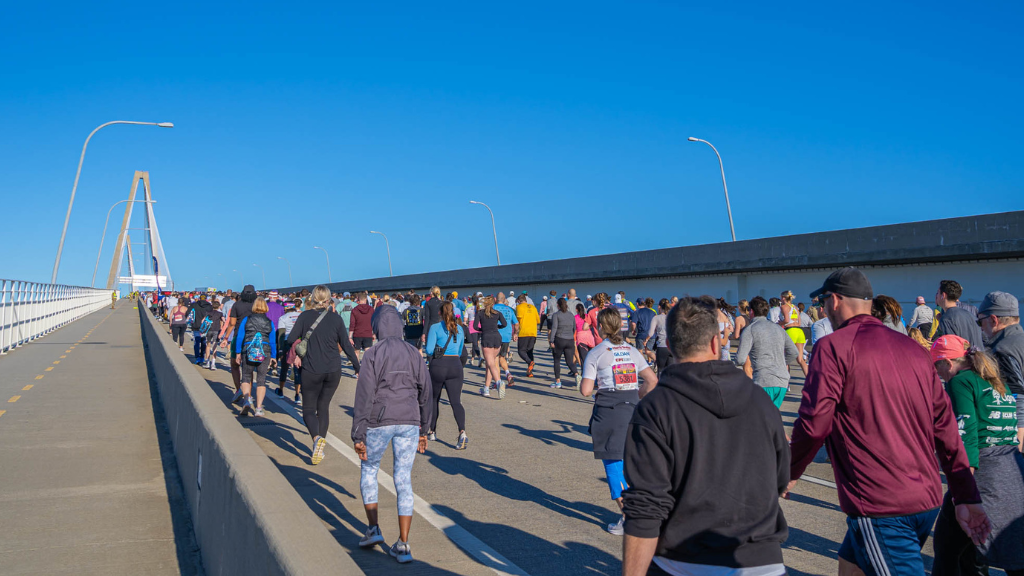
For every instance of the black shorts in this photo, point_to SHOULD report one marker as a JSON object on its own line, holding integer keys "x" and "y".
{"x": 492, "y": 340}
{"x": 362, "y": 343}
{"x": 504, "y": 348}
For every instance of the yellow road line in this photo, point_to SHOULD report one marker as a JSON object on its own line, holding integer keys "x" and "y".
{"x": 40, "y": 377}
{"x": 27, "y": 387}
{"x": 56, "y": 361}
{"x": 2, "y": 412}
{"x": 48, "y": 369}
{"x": 13, "y": 399}
{"x": 68, "y": 351}
{"x": 63, "y": 356}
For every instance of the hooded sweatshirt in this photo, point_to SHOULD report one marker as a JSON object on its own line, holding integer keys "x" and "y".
{"x": 394, "y": 384}
{"x": 361, "y": 327}
{"x": 706, "y": 460}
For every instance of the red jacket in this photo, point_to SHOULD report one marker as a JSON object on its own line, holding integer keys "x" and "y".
{"x": 360, "y": 321}
{"x": 873, "y": 397}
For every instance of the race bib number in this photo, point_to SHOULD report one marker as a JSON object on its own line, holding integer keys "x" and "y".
{"x": 624, "y": 370}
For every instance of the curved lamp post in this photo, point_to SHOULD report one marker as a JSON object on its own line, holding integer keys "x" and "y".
{"x": 329, "y": 280}
{"x": 289, "y": 269}
{"x": 388, "y": 244}
{"x": 727, "y": 206}
{"x": 97, "y": 266}
{"x": 264, "y": 275}
{"x": 493, "y": 229}
{"x": 64, "y": 232}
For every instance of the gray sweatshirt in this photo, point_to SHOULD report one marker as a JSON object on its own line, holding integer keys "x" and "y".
{"x": 394, "y": 384}
{"x": 563, "y": 325}
{"x": 770, "y": 351}
{"x": 922, "y": 315}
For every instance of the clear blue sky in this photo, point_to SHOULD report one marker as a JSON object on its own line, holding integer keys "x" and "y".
{"x": 313, "y": 125}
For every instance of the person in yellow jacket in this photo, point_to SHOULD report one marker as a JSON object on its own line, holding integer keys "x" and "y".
{"x": 529, "y": 319}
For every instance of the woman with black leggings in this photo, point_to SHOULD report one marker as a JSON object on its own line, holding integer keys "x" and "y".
{"x": 659, "y": 332}
{"x": 321, "y": 366}
{"x": 445, "y": 344}
{"x": 562, "y": 339}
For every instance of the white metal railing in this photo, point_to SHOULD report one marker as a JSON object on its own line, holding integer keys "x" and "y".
{"x": 30, "y": 310}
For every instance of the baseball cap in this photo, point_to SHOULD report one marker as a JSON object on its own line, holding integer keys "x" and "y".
{"x": 455, "y": 294}
{"x": 479, "y": 293}
{"x": 949, "y": 347}
{"x": 920, "y": 299}
{"x": 999, "y": 304}
{"x": 849, "y": 282}
{"x": 347, "y": 294}
{"x": 545, "y": 297}
{"x": 618, "y": 298}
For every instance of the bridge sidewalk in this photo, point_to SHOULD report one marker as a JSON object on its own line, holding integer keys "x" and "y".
{"x": 88, "y": 483}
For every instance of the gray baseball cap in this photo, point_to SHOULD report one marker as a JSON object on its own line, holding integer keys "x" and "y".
{"x": 999, "y": 304}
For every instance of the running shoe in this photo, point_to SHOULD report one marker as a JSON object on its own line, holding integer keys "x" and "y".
{"x": 556, "y": 385}
{"x": 180, "y": 349}
{"x": 318, "y": 450}
{"x": 501, "y": 387}
{"x": 258, "y": 412}
{"x": 529, "y": 370}
{"x": 280, "y": 391}
{"x": 579, "y": 379}
{"x": 511, "y": 380}
{"x": 431, "y": 437}
{"x": 616, "y": 528}
{"x": 298, "y": 401}
{"x": 372, "y": 537}
{"x": 401, "y": 551}
{"x": 237, "y": 398}
{"x": 247, "y": 406}
{"x": 463, "y": 442}
{"x": 485, "y": 391}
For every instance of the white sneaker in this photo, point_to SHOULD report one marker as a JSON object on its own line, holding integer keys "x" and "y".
{"x": 318, "y": 450}
{"x": 372, "y": 537}
{"x": 485, "y": 391}
{"x": 401, "y": 551}
{"x": 180, "y": 349}
{"x": 616, "y": 528}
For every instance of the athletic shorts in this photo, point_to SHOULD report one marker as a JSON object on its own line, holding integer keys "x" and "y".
{"x": 504, "y": 348}
{"x": 796, "y": 335}
{"x": 491, "y": 340}
{"x": 777, "y": 394}
{"x": 362, "y": 343}
{"x": 887, "y": 546}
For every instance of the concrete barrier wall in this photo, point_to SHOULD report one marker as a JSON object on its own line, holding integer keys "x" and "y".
{"x": 247, "y": 518}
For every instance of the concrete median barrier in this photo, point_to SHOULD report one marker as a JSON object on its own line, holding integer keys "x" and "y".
{"x": 247, "y": 517}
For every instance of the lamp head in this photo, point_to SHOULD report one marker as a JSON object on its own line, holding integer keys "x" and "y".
{"x": 165, "y": 124}
{"x": 692, "y": 139}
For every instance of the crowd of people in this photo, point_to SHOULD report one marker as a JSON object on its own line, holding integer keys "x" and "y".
{"x": 695, "y": 455}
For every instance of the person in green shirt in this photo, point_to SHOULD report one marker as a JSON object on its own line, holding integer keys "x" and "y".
{"x": 987, "y": 417}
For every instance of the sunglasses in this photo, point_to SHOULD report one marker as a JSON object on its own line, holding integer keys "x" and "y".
{"x": 982, "y": 319}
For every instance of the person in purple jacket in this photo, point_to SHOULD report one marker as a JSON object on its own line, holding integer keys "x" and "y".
{"x": 873, "y": 398}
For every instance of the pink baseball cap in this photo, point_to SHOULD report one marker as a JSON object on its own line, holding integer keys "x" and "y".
{"x": 949, "y": 347}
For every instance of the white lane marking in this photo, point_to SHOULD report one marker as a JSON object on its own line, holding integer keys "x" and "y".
{"x": 457, "y": 534}
{"x": 818, "y": 481}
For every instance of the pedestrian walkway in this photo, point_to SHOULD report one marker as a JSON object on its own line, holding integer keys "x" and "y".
{"x": 88, "y": 483}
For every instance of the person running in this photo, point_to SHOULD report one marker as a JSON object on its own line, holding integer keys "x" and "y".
{"x": 256, "y": 352}
{"x": 987, "y": 415}
{"x": 585, "y": 333}
{"x": 508, "y": 335}
{"x": 392, "y": 406}
{"x": 770, "y": 351}
{"x": 658, "y": 336}
{"x": 742, "y": 318}
{"x": 489, "y": 323}
{"x": 178, "y": 315}
{"x": 614, "y": 369}
{"x": 445, "y": 344}
{"x": 789, "y": 319}
{"x": 873, "y": 397}
{"x": 323, "y": 333}
{"x": 412, "y": 318}
{"x": 362, "y": 325}
{"x": 528, "y": 320}
{"x": 474, "y": 336}
{"x": 562, "y": 340}
{"x": 284, "y": 329}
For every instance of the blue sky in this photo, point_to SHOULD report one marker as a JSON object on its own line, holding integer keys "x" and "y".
{"x": 312, "y": 126}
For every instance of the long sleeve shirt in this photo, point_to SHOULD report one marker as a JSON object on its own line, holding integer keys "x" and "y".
{"x": 873, "y": 398}
{"x": 922, "y": 315}
{"x": 770, "y": 350}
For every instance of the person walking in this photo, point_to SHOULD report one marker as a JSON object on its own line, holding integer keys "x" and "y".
{"x": 256, "y": 352}
{"x": 489, "y": 323}
{"x": 789, "y": 319}
{"x": 445, "y": 344}
{"x": 770, "y": 350}
{"x": 640, "y": 320}
{"x": 113, "y": 299}
{"x": 362, "y": 325}
{"x": 872, "y": 396}
{"x": 469, "y": 317}
{"x": 215, "y": 335}
{"x": 889, "y": 311}
{"x": 509, "y": 334}
{"x": 999, "y": 317}
{"x": 284, "y": 330}
{"x": 240, "y": 310}
{"x": 528, "y": 321}
{"x": 987, "y": 414}
{"x": 199, "y": 311}
{"x": 955, "y": 319}
{"x": 657, "y": 336}
{"x": 562, "y": 341}
{"x": 688, "y": 510}
{"x": 614, "y": 369}
{"x": 392, "y": 406}
{"x": 412, "y": 318}
{"x": 322, "y": 333}
{"x": 431, "y": 310}
{"x": 922, "y": 317}
{"x": 178, "y": 315}
{"x": 585, "y": 333}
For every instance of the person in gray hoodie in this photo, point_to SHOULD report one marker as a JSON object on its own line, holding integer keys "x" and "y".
{"x": 393, "y": 406}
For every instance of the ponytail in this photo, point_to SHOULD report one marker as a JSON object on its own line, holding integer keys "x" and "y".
{"x": 986, "y": 367}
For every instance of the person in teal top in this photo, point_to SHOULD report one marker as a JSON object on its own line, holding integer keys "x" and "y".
{"x": 438, "y": 335}
{"x": 446, "y": 371}
{"x": 987, "y": 417}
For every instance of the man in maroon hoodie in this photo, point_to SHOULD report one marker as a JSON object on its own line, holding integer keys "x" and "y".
{"x": 873, "y": 398}
{"x": 362, "y": 329}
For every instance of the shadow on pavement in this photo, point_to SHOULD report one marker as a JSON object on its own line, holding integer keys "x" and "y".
{"x": 552, "y": 437}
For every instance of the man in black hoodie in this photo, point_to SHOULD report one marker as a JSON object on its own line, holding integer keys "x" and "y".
{"x": 706, "y": 461}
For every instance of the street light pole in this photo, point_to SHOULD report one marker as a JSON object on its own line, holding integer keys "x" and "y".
{"x": 329, "y": 279}
{"x": 722, "y": 167}
{"x": 240, "y": 276}
{"x": 264, "y": 275}
{"x": 96, "y": 267}
{"x": 289, "y": 269}
{"x": 388, "y": 244}
{"x": 67, "y": 218}
{"x": 493, "y": 228}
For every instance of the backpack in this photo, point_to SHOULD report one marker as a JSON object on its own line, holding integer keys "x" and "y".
{"x": 206, "y": 324}
{"x": 412, "y": 317}
{"x": 254, "y": 350}
{"x": 191, "y": 318}
{"x": 624, "y": 315}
